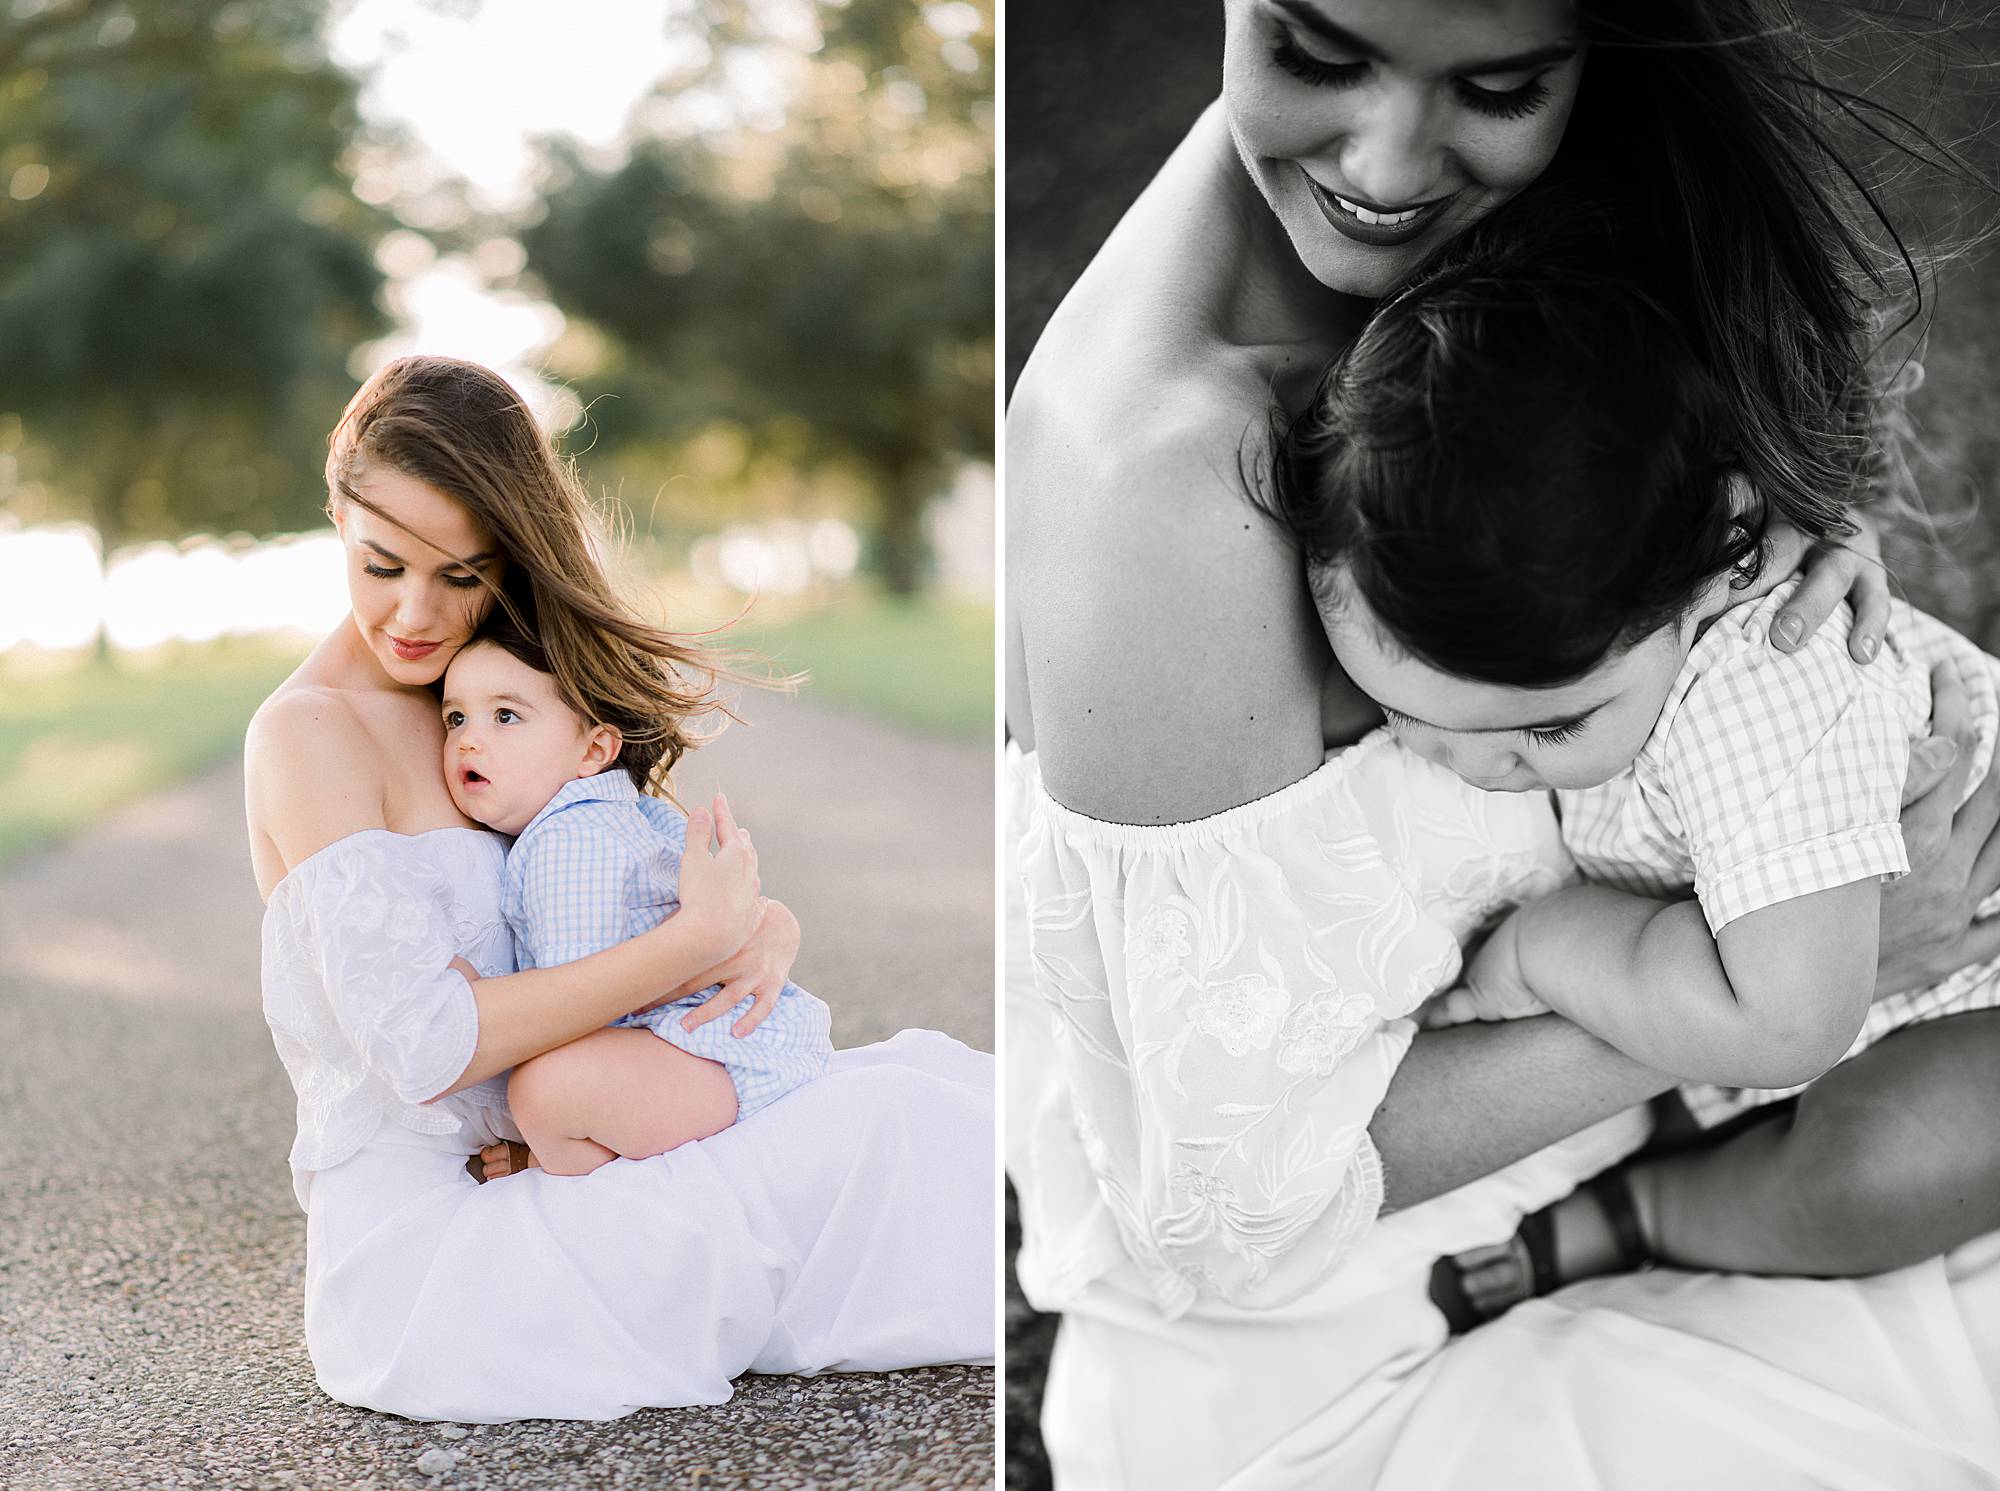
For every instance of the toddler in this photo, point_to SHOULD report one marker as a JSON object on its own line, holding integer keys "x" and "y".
{"x": 1527, "y": 537}
{"x": 596, "y": 860}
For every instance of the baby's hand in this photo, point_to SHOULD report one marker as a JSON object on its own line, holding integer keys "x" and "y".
{"x": 719, "y": 889}
{"x": 1494, "y": 987}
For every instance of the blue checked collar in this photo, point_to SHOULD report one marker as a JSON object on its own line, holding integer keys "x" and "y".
{"x": 610, "y": 785}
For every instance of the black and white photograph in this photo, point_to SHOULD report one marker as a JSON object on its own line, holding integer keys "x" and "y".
{"x": 1501, "y": 984}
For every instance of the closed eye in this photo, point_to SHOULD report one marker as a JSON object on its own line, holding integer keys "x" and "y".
{"x": 1557, "y": 734}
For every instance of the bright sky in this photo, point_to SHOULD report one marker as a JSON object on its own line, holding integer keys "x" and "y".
{"x": 476, "y": 84}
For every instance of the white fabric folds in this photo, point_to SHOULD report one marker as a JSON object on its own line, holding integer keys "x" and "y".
{"x": 847, "y": 1227}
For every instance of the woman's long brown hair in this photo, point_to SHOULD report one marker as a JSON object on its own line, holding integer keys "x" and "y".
{"x": 462, "y": 429}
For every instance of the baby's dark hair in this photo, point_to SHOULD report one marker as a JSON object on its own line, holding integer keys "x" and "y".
{"x": 644, "y": 704}
{"x": 1520, "y": 464}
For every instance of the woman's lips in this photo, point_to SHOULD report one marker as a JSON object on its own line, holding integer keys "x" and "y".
{"x": 410, "y": 652}
{"x": 1388, "y": 230}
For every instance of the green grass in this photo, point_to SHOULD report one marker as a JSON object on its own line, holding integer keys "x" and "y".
{"x": 927, "y": 664}
{"x": 76, "y": 744}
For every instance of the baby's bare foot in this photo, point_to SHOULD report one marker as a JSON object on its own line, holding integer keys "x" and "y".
{"x": 506, "y": 1158}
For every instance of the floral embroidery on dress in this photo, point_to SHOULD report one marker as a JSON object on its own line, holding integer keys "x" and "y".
{"x": 1225, "y": 999}
{"x": 1242, "y": 1012}
{"x": 1320, "y": 1033}
{"x": 1157, "y": 942}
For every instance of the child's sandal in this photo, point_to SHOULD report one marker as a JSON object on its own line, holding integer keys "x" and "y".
{"x": 1536, "y": 1239}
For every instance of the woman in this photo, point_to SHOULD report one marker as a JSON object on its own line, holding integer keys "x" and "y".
{"x": 1204, "y": 1216}
{"x": 849, "y": 1227}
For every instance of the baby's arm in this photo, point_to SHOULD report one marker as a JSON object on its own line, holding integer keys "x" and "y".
{"x": 1774, "y": 999}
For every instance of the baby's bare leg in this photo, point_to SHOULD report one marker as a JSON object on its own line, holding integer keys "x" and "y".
{"x": 1888, "y": 1159}
{"x": 616, "y": 1092}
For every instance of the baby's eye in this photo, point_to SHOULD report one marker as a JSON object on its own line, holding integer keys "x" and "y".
{"x": 505, "y": 716}
{"x": 453, "y": 719}
{"x": 1558, "y": 734}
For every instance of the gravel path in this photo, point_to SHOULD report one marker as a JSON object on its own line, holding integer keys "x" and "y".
{"x": 151, "y": 1252}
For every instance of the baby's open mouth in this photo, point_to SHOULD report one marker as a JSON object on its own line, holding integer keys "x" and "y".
{"x": 470, "y": 778}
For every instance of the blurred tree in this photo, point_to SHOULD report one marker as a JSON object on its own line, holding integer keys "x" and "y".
{"x": 824, "y": 280}
{"x": 183, "y": 267}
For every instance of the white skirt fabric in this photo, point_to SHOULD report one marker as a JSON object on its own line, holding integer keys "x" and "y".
{"x": 847, "y": 1227}
{"x": 1649, "y": 1382}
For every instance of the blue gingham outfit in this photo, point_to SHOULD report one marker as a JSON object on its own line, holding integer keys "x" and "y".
{"x": 1771, "y": 776}
{"x": 601, "y": 863}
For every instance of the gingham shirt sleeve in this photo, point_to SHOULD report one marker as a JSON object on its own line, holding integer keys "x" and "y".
{"x": 1787, "y": 772}
{"x": 581, "y": 872}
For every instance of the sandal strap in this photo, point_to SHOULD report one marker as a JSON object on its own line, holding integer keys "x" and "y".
{"x": 1614, "y": 1198}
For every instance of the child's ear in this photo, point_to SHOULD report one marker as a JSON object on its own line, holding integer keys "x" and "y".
{"x": 600, "y": 749}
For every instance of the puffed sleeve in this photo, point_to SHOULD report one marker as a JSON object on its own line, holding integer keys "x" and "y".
{"x": 1227, "y": 1003}
{"x": 577, "y": 878}
{"x": 1786, "y": 769}
{"x": 379, "y": 926}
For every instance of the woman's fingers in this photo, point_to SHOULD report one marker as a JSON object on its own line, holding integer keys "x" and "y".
{"x": 701, "y": 829}
{"x": 718, "y": 1004}
{"x": 1981, "y": 943}
{"x": 726, "y": 830}
{"x": 766, "y": 1001}
{"x": 1930, "y": 759}
{"x": 1827, "y": 580}
{"x": 1870, "y": 598}
{"x": 1973, "y": 826}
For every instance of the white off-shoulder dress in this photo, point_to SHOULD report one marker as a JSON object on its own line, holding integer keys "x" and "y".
{"x": 1202, "y": 1019}
{"x": 848, "y": 1227}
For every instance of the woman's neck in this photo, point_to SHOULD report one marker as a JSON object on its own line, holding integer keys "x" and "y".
{"x": 1264, "y": 297}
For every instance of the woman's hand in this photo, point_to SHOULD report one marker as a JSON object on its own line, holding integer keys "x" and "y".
{"x": 1845, "y": 570}
{"x": 755, "y": 971}
{"x": 1928, "y": 926}
{"x": 720, "y": 904}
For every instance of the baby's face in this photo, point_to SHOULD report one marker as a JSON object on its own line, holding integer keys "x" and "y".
{"x": 510, "y": 743}
{"x": 1504, "y": 739}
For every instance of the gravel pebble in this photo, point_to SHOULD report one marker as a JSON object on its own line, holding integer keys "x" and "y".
{"x": 435, "y": 1462}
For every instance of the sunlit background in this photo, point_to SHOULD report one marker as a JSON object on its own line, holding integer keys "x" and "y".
{"x": 737, "y": 254}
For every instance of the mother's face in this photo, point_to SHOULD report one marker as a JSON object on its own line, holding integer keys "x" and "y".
{"x": 415, "y": 575}
{"x": 1376, "y": 129}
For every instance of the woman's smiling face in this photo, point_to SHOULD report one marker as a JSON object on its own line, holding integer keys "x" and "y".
{"x": 415, "y": 582}
{"x": 1376, "y": 129}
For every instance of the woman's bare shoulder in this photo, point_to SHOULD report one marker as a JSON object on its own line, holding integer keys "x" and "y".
{"x": 313, "y": 774}
{"x": 1172, "y": 653}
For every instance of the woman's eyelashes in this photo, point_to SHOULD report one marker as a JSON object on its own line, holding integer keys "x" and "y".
{"x": 1504, "y": 103}
{"x": 1499, "y": 103}
{"x": 1307, "y": 68}
{"x": 457, "y": 582}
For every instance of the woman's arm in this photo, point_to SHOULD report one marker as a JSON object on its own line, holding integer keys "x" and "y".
{"x": 1166, "y": 636}
{"x": 525, "y": 1014}
{"x": 1473, "y": 1099}
{"x": 312, "y": 778}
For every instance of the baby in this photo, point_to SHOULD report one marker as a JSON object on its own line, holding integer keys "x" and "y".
{"x": 595, "y": 861}
{"x": 1527, "y": 538}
